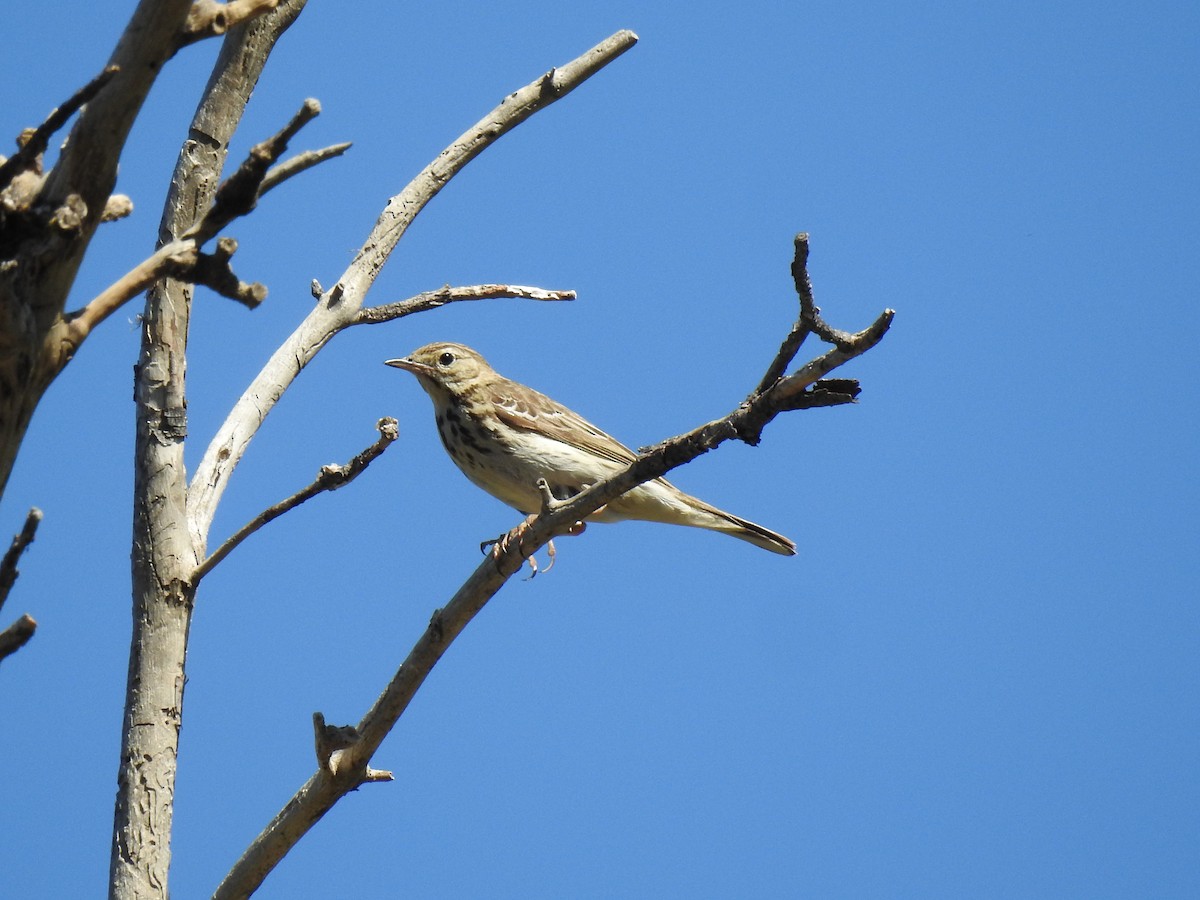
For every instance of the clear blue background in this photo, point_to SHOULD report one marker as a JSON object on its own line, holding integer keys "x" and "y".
{"x": 979, "y": 676}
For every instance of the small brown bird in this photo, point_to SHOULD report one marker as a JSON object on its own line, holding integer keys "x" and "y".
{"x": 505, "y": 436}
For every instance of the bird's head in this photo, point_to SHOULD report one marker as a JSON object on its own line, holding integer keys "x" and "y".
{"x": 443, "y": 365}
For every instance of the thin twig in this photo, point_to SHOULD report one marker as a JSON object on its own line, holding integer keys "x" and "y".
{"x": 239, "y": 194}
{"x": 387, "y": 312}
{"x": 786, "y": 353}
{"x": 16, "y": 636}
{"x": 330, "y": 478}
{"x": 214, "y": 272}
{"x": 810, "y": 313}
{"x": 805, "y": 389}
{"x": 845, "y": 349}
{"x": 299, "y": 163}
{"x": 806, "y": 321}
{"x": 20, "y": 543}
{"x": 38, "y": 140}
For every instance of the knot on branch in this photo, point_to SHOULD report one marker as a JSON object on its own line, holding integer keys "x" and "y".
{"x": 549, "y": 89}
{"x": 435, "y": 625}
{"x": 331, "y": 739}
{"x": 332, "y": 745}
{"x": 25, "y": 214}
{"x": 118, "y": 206}
{"x": 388, "y": 428}
{"x": 70, "y": 215}
{"x": 751, "y": 419}
{"x": 170, "y": 425}
{"x": 335, "y": 475}
{"x": 21, "y": 192}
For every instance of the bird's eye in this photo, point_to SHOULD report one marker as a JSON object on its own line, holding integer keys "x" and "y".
{"x": 445, "y": 359}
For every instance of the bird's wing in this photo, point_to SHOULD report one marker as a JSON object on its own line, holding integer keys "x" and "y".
{"x": 524, "y": 408}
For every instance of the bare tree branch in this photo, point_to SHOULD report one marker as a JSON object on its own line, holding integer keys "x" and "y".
{"x": 745, "y": 423}
{"x": 330, "y": 478}
{"x": 46, "y": 224}
{"x": 175, "y": 257}
{"x": 848, "y": 347}
{"x": 240, "y": 192}
{"x": 16, "y": 636}
{"x": 427, "y": 300}
{"x": 339, "y": 307}
{"x": 804, "y": 389}
{"x": 345, "y": 768}
{"x": 208, "y": 18}
{"x": 181, "y": 258}
{"x": 178, "y": 259}
{"x": 20, "y": 543}
{"x": 810, "y": 313}
{"x": 34, "y": 143}
{"x": 299, "y": 163}
{"x": 213, "y": 271}
{"x": 87, "y": 165}
{"x": 164, "y": 554}
{"x": 805, "y": 322}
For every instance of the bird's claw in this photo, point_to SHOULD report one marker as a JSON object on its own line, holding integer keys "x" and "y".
{"x": 533, "y": 564}
{"x": 499, "y": 546}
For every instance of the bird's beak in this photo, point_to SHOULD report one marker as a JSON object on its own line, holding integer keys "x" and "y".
{"x": 409, "y": 366}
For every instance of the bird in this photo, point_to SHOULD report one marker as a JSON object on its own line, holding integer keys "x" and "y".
{"x": 505, "y": 436}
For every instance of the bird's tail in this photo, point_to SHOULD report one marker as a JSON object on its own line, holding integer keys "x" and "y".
{"x": 755, "y": 534}
{"x": 661, "y": 501}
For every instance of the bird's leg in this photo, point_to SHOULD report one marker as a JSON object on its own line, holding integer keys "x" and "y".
{"x": 499, "y": 546}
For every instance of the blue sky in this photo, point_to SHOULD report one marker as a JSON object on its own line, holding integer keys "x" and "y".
{"x": 979, "y": 675}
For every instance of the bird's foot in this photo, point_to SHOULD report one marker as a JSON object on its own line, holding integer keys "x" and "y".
{"x": 499, "y": 546}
